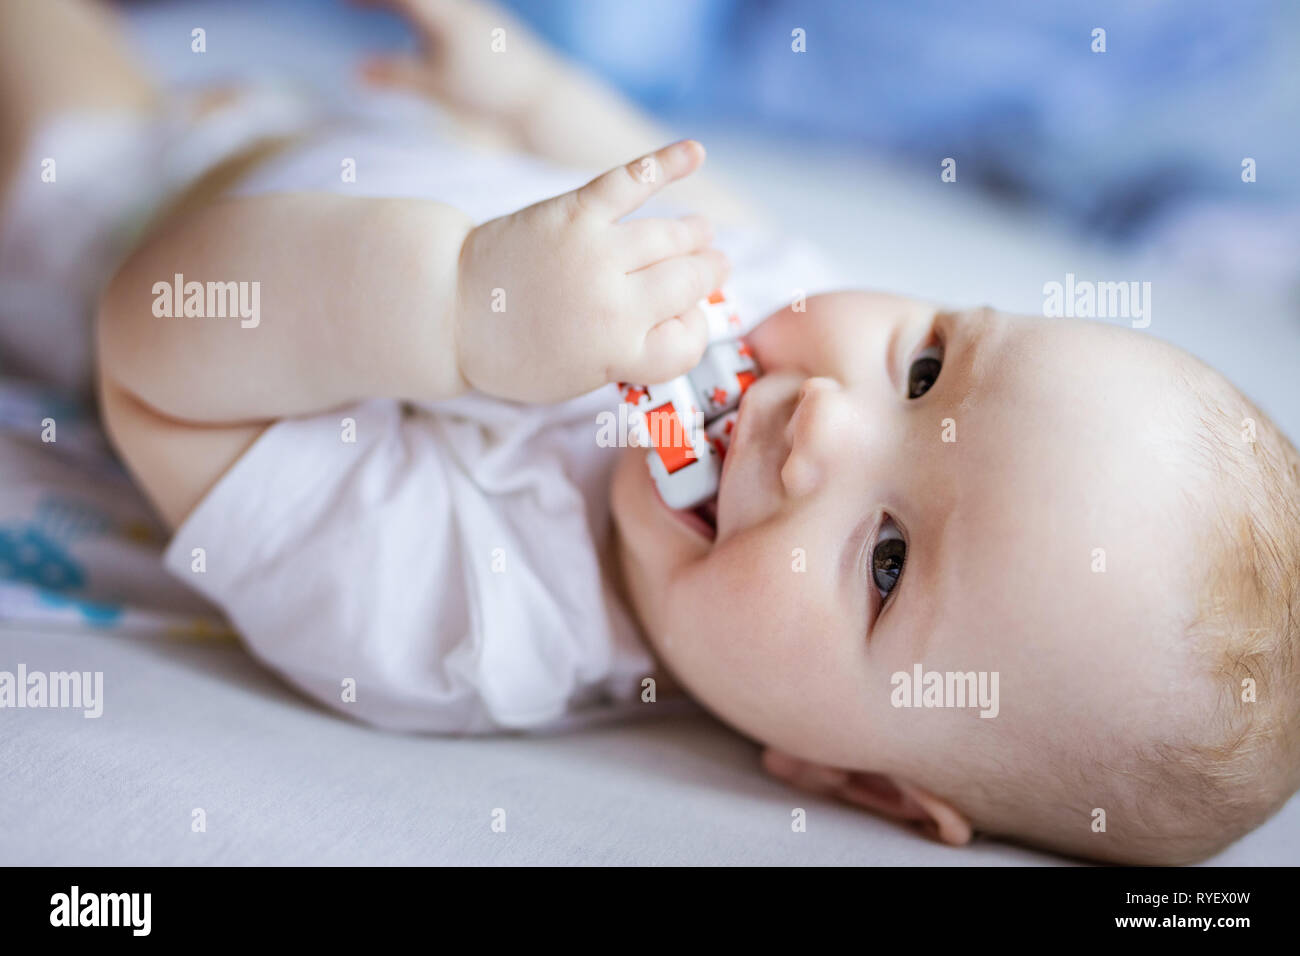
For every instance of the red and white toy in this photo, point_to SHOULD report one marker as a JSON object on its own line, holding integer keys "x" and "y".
{"x": 687, "y": 422}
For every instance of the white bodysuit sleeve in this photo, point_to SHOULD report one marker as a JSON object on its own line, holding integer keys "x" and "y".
{"x": 339, "y": 563}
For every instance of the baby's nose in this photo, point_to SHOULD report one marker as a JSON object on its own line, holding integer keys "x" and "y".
{"x": 816, "y": 432}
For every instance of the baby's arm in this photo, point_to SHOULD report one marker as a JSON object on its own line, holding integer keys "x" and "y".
{"x": 348, "y": 306}
{"x": 354, "y": 301}
{"x": 364, "y": 298}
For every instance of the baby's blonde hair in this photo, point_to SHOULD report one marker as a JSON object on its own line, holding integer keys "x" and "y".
{"x": 1243, "y": 762}
{"x": 1212, "y": 778}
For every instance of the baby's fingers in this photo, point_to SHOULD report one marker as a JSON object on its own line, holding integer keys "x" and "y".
{"x": 674, "y": 285}
{"x": 621, "y": 190}
{"x": 648, "y": 241}
{"x": 671, "y": 348}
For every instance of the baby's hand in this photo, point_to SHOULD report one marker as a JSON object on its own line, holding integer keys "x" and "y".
{"x": 561, "y": 298}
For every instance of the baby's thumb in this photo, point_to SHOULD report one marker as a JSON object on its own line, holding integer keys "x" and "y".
{"x": 672, "y": 348}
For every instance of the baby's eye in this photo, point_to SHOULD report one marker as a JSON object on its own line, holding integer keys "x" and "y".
{"x": 887, "y": 557}
{"x": 924, "y": 371}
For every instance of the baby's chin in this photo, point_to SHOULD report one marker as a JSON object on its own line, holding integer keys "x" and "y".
{"x": 654, "y": 544}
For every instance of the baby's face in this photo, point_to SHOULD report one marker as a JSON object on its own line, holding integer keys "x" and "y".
{"x": 862, "y": 531}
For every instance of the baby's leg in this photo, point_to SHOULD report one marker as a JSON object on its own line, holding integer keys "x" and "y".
{"x": 540, "y": 102}
{"x": 56, "y": 57}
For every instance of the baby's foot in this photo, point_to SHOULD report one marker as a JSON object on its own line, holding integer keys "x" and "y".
{"x": 475, "y": 59}
{"x": 505, "y": 86}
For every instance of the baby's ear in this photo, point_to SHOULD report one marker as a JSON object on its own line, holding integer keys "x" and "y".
{"x": 887, "y": 796}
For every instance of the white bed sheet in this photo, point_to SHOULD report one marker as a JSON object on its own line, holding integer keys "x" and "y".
{"x": 199, "y": 725}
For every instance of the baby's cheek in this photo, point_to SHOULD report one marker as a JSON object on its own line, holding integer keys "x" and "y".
{"x": 744, "y": 618}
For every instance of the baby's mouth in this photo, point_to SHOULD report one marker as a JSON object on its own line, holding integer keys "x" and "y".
{"x": 708, "y": 513}
{"x": 702, "y": 519}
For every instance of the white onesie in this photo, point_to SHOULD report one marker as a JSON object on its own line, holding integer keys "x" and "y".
{"x": 438, "y": 568}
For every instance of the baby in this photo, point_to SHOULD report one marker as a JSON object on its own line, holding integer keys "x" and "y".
{"x": 977, "y": 572}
